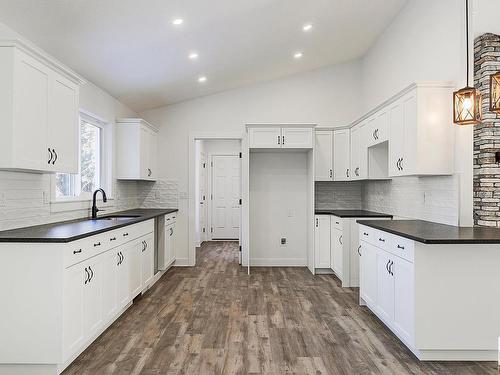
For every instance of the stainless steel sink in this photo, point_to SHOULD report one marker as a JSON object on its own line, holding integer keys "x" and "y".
{"x": 118, "y": 217}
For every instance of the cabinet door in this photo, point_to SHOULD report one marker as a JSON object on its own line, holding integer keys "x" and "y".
{"x": 337, "y": 249}
{"x": 297, "y": 137}
{"x": 145, "y": 141}
{"x": 368, "y": 274}
{"x": 173, "y": 240}
{"x": 409, "y": 155}
{"x": 341, "y": 155}
{"x": 396, "y": 141}
{"x": 147, "y": 260}
{"x": 268, "y": 137}
{"x": 323, "y": 156}
{"x": 322, "y": 241}
{"x": 109, "y": 285}
{"x": 92, "y": 296}
{"x": 354, "y": 152}
{"x": 153, "y": 156}
{"x": 123, "y": 278}
{"x": 385, "y": 287}
{"x": 378, "y": 128}
{"x": 404, "y": 297}
{"x": 134, "y": 252}
{"x": 31, "y": 96}
{"x": 73, "y": 330}
{"x": 63, "y": 124}
{"x": 363, "y": 152}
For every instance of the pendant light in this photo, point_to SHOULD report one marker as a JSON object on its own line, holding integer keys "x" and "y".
{"x": 467, "y": 101}
{"x": 495, "y": 92}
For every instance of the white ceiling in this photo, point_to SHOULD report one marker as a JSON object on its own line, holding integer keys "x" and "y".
{"x": 131, "y": 49}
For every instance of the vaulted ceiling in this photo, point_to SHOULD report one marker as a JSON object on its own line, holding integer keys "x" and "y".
{"x": 131, "y": 48}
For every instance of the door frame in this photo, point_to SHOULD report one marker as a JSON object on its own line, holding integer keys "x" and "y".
{"x": 210, "y": 192}
{"x": 205, "y": 136}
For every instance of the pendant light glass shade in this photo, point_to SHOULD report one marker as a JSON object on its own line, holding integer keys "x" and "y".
{"x": 495, "y": 92}
{"x": 467, "y": 101}
{"x": 467, "y": 106}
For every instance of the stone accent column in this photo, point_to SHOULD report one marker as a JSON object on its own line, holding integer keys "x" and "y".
{"x": 486, "y": 136}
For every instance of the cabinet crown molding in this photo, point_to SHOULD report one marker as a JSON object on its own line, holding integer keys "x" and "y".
{"x": 45, "y": 58}
{"x": 429, "y": 84}
{"x": 136, "y": 120}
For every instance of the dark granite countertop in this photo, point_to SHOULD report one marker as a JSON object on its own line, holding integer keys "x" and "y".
{"x": 434, "y": 233}
{"x": 351, "y": 213}
{"x": 67, "y": 231}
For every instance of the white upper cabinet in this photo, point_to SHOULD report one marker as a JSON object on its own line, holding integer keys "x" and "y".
{"x": 280, "y": 137}
{"x": 377, "y": 128}
{"x": 421, "y": 132}
{"x": 341, "y": 155}
{"x": 39, "y": 106}
{"x": 136, "y": 150}
{"x": 323, "y": 156}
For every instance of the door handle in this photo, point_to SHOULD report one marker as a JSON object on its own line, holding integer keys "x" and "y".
{"x": 340, "y": 240}
{"x": 171, "y": 232}
{"x": 91, "y": 274}
{"x": 88, "y": 275}
{"x": 387, "y": 266}
{"x": 55, "y": 153}
{"x": 282, "y": 139}
{"x": 331, "y": 173}
{"x": 279, "y": 140}
{"x": 359, "y": 248}
{"x": 119, "y": 258}
{"x": 390, "y": 268}
{"x": 316, "y": 223}
{"x": 401, "y": 164}
{"x": 50, "y": 157}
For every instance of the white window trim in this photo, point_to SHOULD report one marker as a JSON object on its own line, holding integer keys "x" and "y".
{"x": 61, "y": 204}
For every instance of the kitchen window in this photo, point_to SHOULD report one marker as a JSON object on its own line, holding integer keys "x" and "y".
{"x": 92, "y": 164}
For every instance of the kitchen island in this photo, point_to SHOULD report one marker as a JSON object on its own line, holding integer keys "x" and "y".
{"x": 435, "y": 286}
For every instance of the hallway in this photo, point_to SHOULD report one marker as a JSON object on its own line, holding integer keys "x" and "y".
{"x": 214, "y": 319}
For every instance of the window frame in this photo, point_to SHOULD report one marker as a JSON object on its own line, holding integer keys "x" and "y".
{"x": 105, "y": 161}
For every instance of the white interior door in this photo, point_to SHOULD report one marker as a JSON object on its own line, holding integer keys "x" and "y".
{"x": 203, "y": 196}
{"x": 226, "y": 195}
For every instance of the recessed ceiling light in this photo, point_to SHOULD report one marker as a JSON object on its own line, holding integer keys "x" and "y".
{"x": 307, "y": 27}
{"x": 177, "y": 21}
{"x": 193, "y": 55}
{"x": 202, "y": 79}
{"x": 298, "y": 55}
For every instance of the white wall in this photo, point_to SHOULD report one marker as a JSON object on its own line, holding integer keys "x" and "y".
{"x": 486, "y": 17}
{"x": 278, "y": 208}
{"x": 328, "y": 97}
{"x": 27, "y": 195}
{"x": 426, "y": 41}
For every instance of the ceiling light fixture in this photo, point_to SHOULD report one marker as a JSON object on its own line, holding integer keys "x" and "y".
{"x": 202, "y": 79}
{"x": 307, "y": 27}
{"x": 177, "y": 21}
{"x": 467, "y": 101}
{"x": 193, "y": 56}
{"x": 298, "y": 55}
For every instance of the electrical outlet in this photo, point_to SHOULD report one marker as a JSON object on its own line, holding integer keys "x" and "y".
{"x": 283, "y": 241}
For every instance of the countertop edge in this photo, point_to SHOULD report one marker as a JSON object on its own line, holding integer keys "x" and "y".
{"x": 93, "y": 233}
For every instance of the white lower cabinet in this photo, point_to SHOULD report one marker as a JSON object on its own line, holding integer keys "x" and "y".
{"x": 368, "y": 273}
{"x": 322, "y": 241}
{"x": 148, "y": 260}
{"x": 122, "y": 277}
{"x": 109, "y": 285}
{"x": 73, "y": 331}
{"x": 134, "y": 251}
{"x": 167, "y": 257}
{"x": 337, "y": 249}
{"x": 387, "y": 283}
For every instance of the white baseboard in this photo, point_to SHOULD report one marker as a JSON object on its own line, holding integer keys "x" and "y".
{"x": 278, "y": 262}
{"x": 182, "y": 262}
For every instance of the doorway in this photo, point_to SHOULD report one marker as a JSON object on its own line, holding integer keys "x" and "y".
{"x": 217, "y": 192}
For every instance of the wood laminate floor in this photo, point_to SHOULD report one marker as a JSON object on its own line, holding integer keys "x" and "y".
{"x": 215, "y": 319}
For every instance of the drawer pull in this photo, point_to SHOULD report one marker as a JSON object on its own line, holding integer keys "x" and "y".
{"x": 97, "y": 244}
{"x": 401, "y": 247}
{"x": 337, "y": 222}
{"x": 125, "y": 234}
{"x": 365, "y": 234}
{"x": 77, "y": 251}
{"x": 381, "y": 239}
{"x": 113, "y": 239}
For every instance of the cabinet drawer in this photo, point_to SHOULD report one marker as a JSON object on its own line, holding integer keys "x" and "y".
{"x": 76, "y": 251}
{"x": 402, "y": 247}
{"x": 337, "y": 222}
{"x": 382, "y": 239}
{"x": 170, "y": 218}
{"x": 367, "y": 234}
{"x": 138, "y": 230}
